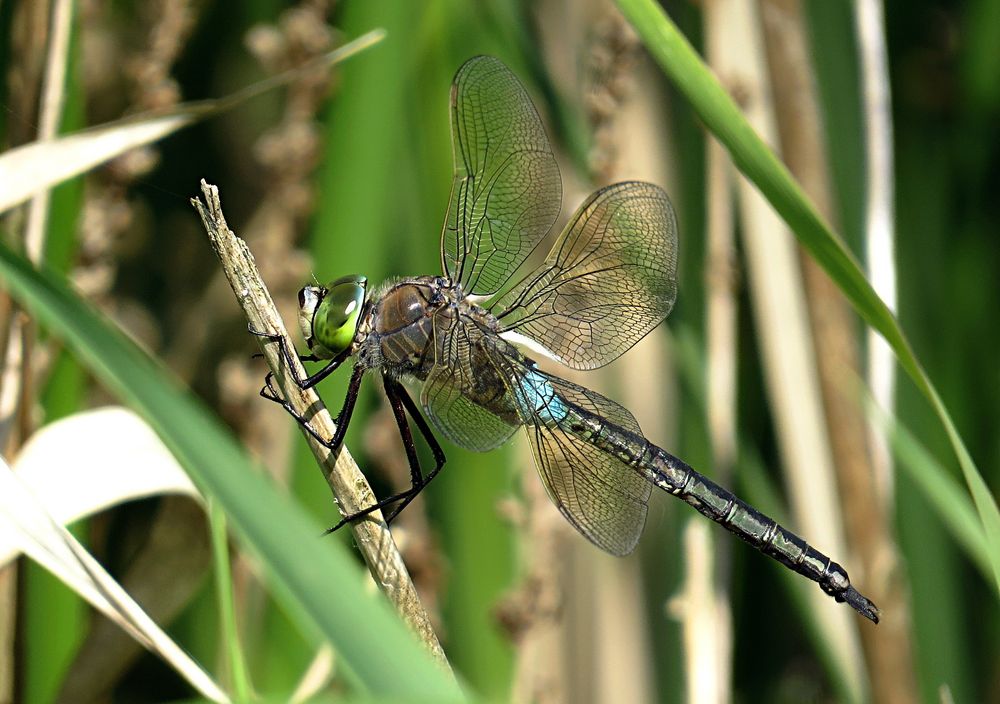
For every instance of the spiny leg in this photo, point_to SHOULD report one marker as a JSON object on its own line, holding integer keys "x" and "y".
{"x": 342, "y": 420}
{"x": 399, "y": 400}
{"x": 309, "y": 381}
{"x": 270, "y": 393}
{"x": 422, "y": 426}
{"x": 399, "y": 393}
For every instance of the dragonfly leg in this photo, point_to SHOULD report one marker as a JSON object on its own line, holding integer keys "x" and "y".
{"x": 422, "y": 426}
{"x": 401, "y": 403}
{"x": 342, "y": 420}
{"x": 268, "y": 391}
{"x": 400, "y": 399}
{"x": 309, "y": 381}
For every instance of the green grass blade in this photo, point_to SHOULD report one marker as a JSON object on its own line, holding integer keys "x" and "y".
{"x": 238, "y": 678}
{"x": 752, "y": 156}
{"x": 941, "y": 490}
{"x": 318, "y": 582}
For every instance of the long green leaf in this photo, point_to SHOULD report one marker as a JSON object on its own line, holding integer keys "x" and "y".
{"x": 320, "y": 584}
{"x": 942, "y": 489}
{"x": 681, "y": 63}
{"x": 238, "y": 678}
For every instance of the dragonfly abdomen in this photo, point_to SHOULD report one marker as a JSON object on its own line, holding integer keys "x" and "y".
{"x": 760, "y": 531}
{"x": 673, "y": 475}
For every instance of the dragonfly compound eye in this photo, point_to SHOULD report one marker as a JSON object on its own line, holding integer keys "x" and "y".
{"x": 337, "y": 314}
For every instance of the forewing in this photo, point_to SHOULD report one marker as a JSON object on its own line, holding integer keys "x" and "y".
{"x": 506, "y": 191}
{"x": 600, "y": 495}
{"x": 463, "y": 384}
{"x": 610, "y": 278}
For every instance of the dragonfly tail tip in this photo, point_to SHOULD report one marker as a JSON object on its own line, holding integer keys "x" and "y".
{"x": 862, "y": 604}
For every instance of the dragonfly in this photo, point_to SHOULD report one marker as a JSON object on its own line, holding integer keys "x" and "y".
{"x": 608, "y": 280}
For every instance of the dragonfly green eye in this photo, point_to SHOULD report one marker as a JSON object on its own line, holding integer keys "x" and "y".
{"x": 329, "y": 316}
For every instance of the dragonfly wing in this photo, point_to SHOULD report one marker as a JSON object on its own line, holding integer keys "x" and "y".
{"x": 600, "y": 495}
{"x": 610, "y": 278}
{"x": 464, "y": 395}
{"x": 506, "y": 191}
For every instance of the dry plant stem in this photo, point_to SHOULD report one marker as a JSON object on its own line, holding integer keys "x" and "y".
{"x": 17, "y": 357}
{"x": 8, "y": 629}
{"x": 721, "y": 401}
{"x": 30, "y": 28}
{"x": 782, "y": 322}
{"x": 887, "y": 648}
{"x": 51, "y": 110}
{"x": 607, "y": 627}
{"x": 721, "y": 313}
{"x": 350, "y": 488}
{"x": 879, "y": 218}
{"x": 287, "y": 154}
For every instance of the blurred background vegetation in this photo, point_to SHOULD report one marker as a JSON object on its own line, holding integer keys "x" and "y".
{"x": 350, "y": 172}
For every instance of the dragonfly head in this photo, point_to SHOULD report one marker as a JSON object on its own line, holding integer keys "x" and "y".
{"x": 329, "y": 315}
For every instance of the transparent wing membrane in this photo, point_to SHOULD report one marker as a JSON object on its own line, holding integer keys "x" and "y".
{"x": 604, "y": 498}
{"x": 464, "y": 394}
{"x": 610, "y": 278}
{"x": 507, "y": 191}
{"x": 481, "y": 389}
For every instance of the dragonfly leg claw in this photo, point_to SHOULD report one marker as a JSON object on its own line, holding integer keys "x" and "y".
{"x": 401, "y": 500}
{"x": 267, "y": 391}
{"x": 273, "y": 337}
{"x": 280, "y": 339}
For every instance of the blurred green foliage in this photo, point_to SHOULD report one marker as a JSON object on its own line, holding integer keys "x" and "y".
{"x": 381, "y": 192}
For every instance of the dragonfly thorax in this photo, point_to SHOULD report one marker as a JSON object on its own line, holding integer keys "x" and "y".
{"x": 405, "y": 304}
{"x": 403, "y": 323}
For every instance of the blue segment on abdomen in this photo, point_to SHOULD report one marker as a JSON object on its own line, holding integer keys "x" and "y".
{"x": 541, "y": 399}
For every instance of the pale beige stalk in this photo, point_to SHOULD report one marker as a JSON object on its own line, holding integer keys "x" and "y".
{"x": 16, "y": 374}
{"x": 53, "y": 95}
{"x": 638, "y": 145}
{"x": 874, "y": 561}
{"x": 350, "y": 488}
{"x": 781, "y": 318}
{"x": 721, "y": 349}
{"x": 879, "y": 219}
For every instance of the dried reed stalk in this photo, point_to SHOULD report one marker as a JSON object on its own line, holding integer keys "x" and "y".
{"x": 350, "y": 488}
{"x": 888, "y": 648}
{"x": 782, "y": 322}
